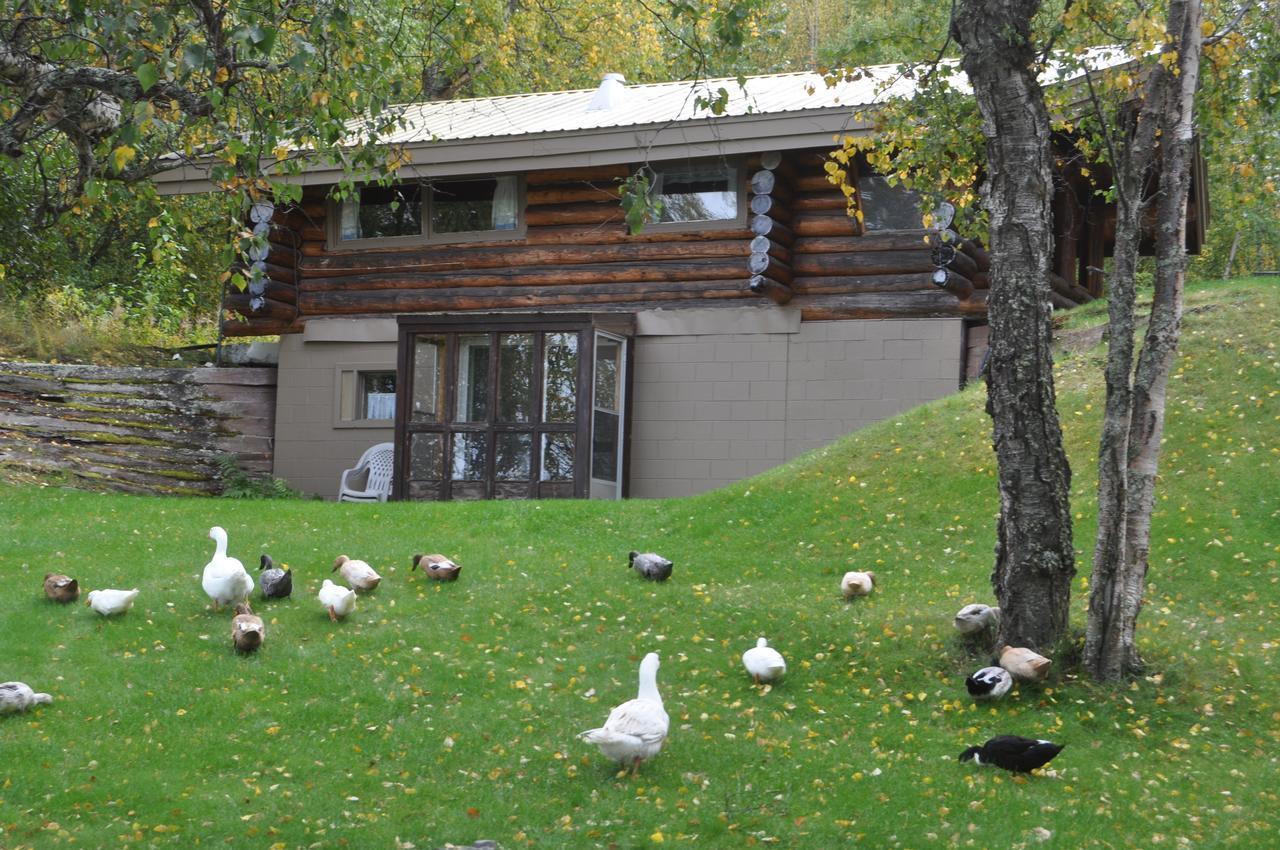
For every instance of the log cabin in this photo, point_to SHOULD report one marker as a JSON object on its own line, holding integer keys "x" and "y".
{"x": 491, "y": 313}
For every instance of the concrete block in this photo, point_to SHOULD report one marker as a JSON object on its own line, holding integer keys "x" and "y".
{"x": 767, "y": 391}
{"x": 732, "y": 391}
{"x": 903, "y": 349}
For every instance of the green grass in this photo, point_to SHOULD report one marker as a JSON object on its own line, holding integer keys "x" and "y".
{"x": 441, "y": 713}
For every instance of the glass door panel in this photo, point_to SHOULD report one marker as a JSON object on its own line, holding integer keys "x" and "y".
{"x": 515, "y": 377}
{"x": 560, "y": 377}
{"x": 473, "y": 378}
{"x": 608, "y": 403}
{"x": 428, "y": 378}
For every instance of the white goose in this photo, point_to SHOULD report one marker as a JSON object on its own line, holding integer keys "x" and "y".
{"x": 18, "y": 696}
{"x": 764, "y": 663}
{"x": 976, "y": 618}
{"x": 108, "y": 602}
{"x": 857, "y": 583}
{"x": 338, "y": 600}
{"x": 636, "y": 729}
{"x": 225, "y": 579}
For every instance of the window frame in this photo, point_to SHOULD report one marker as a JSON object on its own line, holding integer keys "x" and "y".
{"x": 333, "y": 219}
{"x": 357, "y": 370}
{"x": 737, "y": 180}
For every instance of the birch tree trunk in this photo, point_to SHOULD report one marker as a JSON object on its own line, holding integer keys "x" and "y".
{"x": 1115, "y": 616}
{"x": 1034, "y": 557}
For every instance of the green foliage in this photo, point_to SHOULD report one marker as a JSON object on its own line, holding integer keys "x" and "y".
{"x": 446, "y": 713}
{"x": 237, "y": 484}
{"x": 639, "y": 205}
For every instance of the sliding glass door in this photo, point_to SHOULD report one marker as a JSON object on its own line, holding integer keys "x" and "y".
{"x": 525, "y": 407}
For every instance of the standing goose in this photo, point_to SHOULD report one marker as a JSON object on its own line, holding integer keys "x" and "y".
{"x": 635, "y": 729}
{"x": 357, "y": 574}
{"x": 338, "y": 600}
{"x": 437, "y": 567}
{"x": 857, "y": 583}
{"x": 1025, "y": 664}
{"x": 225, "y": 579}
{"x": 18, "y": 696}
{"x": 1020, "y": 755}
{"x": 276, "y": 583}
{"x": 764, "y": 663}
{"x": 652, "y": 566}
{"x": 247, "y": 630}
{"x": 61, "y": 588}
{"x": 109, "y": 602}
{"x": 989, "y": 683}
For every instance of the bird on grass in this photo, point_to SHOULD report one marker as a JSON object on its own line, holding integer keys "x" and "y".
{"x": 635, "y": 729}
{"x": 109, "y": 602}
{"x": 857, "y": 583}
{"x": 976, "y": 618}
{"x": 277, "y": 583}
{"x": 652, "y": 566}
{"x": 225, "y": 579}
{"x": 764, "y": 663}
{"x": 1014, "y": 753}
{"x": 989, "y": 683}
{"x": 1025, "y": 664}
{"x": 61, "y": 588}
{"x": 338, "y": 600}
{"x": 18, "y": 696}
{"x": 247, "y": 630}
{"x": 437, "y": 567}
{"x": 357, "y": 574}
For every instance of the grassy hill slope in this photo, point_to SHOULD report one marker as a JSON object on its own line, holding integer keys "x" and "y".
{"x": 447, "y": 713}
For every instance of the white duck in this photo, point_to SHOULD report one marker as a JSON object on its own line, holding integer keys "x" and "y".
{"x": 976, "y": 618}
{"x": 764, "y": 663}
{"x": 357, "y": 574}
{"x": 225, "y": 579}
{"x": 857, "y": 583}
{"x": 108, "y": 602}
{"x": 1026, "y": 665}
{"x": 18, "y": 696}
{"x": 340, "y": 601}
{"x": 636, "y": 729}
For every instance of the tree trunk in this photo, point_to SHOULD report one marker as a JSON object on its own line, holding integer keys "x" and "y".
{"x": 1231, "y": 255}
{"x": 1034, "y": 556}
{"x": 1111, "y": 650}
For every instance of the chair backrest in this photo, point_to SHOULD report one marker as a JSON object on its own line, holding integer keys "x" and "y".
{"x": 381, "y": 462}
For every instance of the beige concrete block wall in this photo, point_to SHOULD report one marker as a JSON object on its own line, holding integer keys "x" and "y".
{"x": 312, "y": 447}
{"x": 712, "y": 408}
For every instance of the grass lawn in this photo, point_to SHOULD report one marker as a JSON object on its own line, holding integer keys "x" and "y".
{"x": 448, "y": 713}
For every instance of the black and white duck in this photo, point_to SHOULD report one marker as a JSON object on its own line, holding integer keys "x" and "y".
{"x": 989, "y": 683}
{"x": 1013, "y": 752}
{"x": 276, "y": 583}
{"x": 650, "y": 565}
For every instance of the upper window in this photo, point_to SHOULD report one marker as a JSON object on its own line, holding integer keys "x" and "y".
{"x": 886, "y": 207}
{"x": 444, "y": 210}
{"x": 696, "y": 192}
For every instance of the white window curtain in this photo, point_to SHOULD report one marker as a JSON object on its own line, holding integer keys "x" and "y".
{"x": 504, "y": 204}
{"x": 351, "y": 218}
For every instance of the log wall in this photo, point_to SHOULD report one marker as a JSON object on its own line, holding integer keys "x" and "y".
{"x": 136, "y": 430}
{"x": 797, "y": 245}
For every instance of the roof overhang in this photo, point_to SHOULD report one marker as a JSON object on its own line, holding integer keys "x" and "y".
{"x": 724, "y": 136}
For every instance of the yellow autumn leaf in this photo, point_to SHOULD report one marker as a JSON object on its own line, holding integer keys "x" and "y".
{"x": 221, "y": 76}
{"x": 122, "y": 156}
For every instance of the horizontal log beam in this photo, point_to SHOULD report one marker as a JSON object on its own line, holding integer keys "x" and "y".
{"x": 890, "y": 305}
{"x": 770, "y": 206}
{"x": 517, "y": 257}
{"x": 765, "y": 245}
{"x": 779, "y": 292}
{"x": 503, "y": 297}
{"x": 876, "y": 240}
{"x": 957, "y": 285}
{"x": 616, "y": 233}
{"x": 1069, "y": 289}
{"x": 980, "y": 255}
{"x": 816, "y": 224}
{"x": 763, "y": 225}
{"x": 816, "y": 184}
{"x": 584, "y": 192}
{"x": 848, "y": 284}
{"x": 577, "y": 175}
{"x": 271, "y": 309}
{"x": 283, "y": 274}
{"x": 771, "y": 267}
{"x": 618, "y": 274}
{"x": 862, "y": 262}
{"x": 241, "y": 326}
{"x": 807, "y": 203}
{"x": 580, "y": 213}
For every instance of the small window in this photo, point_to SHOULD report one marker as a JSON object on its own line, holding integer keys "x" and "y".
{"x": 886, "y": 207}
{"x": 698, "y": 191}
{"x": 366, "y": 397}
{"x": 379, "y": 212}
{"x": 443, "y": 210}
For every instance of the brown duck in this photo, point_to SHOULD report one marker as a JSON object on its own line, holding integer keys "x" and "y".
{"x": 247, "y": 630}
{"x": 437, "y": 567}
{"x": 61, "y": 588}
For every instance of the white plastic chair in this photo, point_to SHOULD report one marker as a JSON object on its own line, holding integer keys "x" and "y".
{"x": 376, "y": 464}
